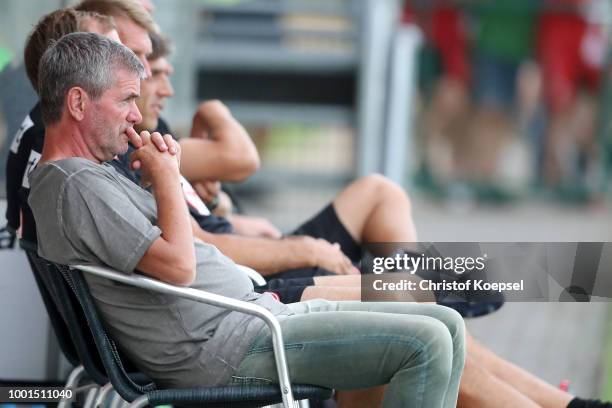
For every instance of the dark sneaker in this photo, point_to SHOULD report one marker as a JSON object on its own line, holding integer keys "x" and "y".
{"x": 583, "y": 403}
{"x": 469, "y": 303}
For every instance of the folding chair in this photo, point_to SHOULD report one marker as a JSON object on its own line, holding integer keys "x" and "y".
{"x": 140, "y": 393}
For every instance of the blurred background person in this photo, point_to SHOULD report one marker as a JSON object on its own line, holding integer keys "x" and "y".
{"x": 503, "y": 33}
{"x": 444, "y": 80}
{"x": 572, "y": 48}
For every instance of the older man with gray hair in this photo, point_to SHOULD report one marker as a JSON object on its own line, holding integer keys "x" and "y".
{"x": 86, "y": 212}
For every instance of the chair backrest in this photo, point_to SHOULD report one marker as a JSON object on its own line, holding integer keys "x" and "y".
{"x": 68, "y": 319}
{"x": 55, "y": 317}
{"x": 129, "y": 384}
{"x": 74, "y": 324}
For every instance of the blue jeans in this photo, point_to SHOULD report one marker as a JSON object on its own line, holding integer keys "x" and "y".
{"x": 417, "y": 349}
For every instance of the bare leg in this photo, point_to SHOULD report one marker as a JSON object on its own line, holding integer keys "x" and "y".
{"x": 445, "y": 123}
{"x": 374, "y": 209}
{"x": 349, "y": 287}
{"x": 331, "y": 293}
{"x": 585, "y": 123}
{"x": 481, "y": 389}
{"x": 338, "y": 280}
{"x": 366, "y": 398}
{"x": 558, "y": 143}
{"x": 528, "y": 384}
{"x": 491, "y": 126}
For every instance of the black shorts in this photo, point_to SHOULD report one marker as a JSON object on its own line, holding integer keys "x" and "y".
{"x": 289, "y": 285}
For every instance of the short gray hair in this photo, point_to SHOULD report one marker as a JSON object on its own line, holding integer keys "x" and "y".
{"x": 86, "y": 60}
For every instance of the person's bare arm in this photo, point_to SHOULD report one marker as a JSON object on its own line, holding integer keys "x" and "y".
{"x": 171, "y": 257}
{"x": 253, "y": 226}
{"x": 270, "y": 256}
{"x": 219, "y": 147}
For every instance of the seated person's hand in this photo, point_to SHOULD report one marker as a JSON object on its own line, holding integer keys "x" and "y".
{"x": 216, "y": 200}
{"x": 327, "y": 255}
{"x": 208, "y": 190}
{"x": 254, "y": 227}
{"x": 155, "y": 155}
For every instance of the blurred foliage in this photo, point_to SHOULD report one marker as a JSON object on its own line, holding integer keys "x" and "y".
{"x": 5, "y": 57}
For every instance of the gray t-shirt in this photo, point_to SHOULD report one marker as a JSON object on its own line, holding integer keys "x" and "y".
{"x": 88, "y": 213}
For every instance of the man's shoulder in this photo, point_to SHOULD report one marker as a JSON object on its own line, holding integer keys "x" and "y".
{"x": 66, "y": 170}
{"x": 49, "y": 182}
{"x": 71, "y": 165}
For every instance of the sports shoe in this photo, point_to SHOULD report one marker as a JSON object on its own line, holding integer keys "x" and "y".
{"x": 469, "y": 303}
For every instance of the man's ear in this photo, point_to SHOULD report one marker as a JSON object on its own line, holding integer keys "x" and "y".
{"x": 77, "y": 101}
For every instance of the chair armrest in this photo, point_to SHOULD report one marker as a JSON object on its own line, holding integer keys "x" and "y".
{"x": 212, "y": 299}
{"x": 255, "y": 276}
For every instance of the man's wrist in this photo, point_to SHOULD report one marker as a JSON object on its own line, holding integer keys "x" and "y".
{"x": 164, "y": 176}
{"x": 303, "y": 251}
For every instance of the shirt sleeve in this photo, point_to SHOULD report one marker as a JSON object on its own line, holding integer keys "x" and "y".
{"x": 101, "y": 222}
{"x": 21, "y": 149}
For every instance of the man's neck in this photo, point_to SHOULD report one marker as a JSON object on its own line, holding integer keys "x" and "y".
{"x": 63, "y": 141}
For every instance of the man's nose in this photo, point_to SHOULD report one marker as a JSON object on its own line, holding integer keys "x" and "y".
{"x": 134, "y": 115}
{"x": 166, "y": 90}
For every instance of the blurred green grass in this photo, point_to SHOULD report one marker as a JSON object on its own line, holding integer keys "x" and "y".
{"x": 607, "y": 385}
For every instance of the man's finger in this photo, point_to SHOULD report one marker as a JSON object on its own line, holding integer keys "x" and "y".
{"x": 203, "y": 192}
{"x": 146, "y": 137}
{"x": 177, "y": 148}
{"x": 134, "y": 137}
{"x": 213, "y": 187}
{"x": 171, "y": 144}
{"x": 159, "y": 141}
{"x": 348, "y": 265}
{"x": 135, "y": 162}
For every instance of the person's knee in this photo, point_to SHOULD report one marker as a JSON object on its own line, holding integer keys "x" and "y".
{"x": 437, "y": 346}
{"x": 454, "y": 323}
{"x": 377, "y": 185}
